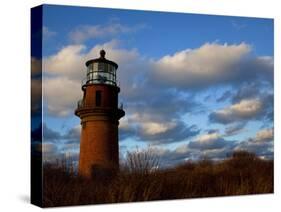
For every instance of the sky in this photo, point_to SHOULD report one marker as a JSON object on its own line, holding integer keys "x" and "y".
{"x": 193, "y": 86}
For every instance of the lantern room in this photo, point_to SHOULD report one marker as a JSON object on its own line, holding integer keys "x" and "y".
{"x": 101, "y": 71}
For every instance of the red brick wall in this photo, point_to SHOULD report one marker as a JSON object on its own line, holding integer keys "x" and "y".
{"x": 98, "y": 146}
{"x": 109, "y": 95}
{"x": 99, "y": 134}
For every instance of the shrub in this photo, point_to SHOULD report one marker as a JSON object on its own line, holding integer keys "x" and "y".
{"x": 139, "y": 180}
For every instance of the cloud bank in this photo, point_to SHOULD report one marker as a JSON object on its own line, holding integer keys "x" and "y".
{"x": 157, "y": 93}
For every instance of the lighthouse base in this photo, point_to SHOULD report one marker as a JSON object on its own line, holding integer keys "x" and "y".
{"x": 98, "y": 148}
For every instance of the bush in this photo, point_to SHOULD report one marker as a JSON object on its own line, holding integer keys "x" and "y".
{"x": 139, "y": 180}
{"x": 141, "y": 161}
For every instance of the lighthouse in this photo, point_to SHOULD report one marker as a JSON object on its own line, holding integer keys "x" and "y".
{"x": 99, "y": 113}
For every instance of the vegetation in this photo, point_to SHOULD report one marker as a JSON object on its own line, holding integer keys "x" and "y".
{"x": 139, "y": 179}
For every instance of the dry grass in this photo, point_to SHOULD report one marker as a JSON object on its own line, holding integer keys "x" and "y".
{"x": 138, "y": 180}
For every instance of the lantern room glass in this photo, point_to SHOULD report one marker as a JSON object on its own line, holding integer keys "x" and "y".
{"x": 101, "y": 73}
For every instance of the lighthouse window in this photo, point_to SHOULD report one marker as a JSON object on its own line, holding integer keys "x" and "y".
{"x": 98, "y": 98}
{"x": 101, "y": 66}
{"x": 95, "y": 67}
{"x": 101, "y": 73}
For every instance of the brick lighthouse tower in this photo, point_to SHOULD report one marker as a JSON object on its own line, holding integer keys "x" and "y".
{"x": 99, "y": 114}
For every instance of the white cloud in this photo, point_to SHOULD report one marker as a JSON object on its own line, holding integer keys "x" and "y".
{"x": 68, "y": 62}
{"x": 36, "y": 67}
{"x": 61, "y": 95}
{"x": 140, "y": 78}
{"x": 247, "y": 107}
{"x": 47, "y": 33}
{"x": 36, "y": 96}
{"x": 209, "y": 59}
{"x": 183, "y": 148}
{"x": 36, "y": 86}
{"x": 208, "y": 142}
{"x": 48, "y": 147}
{"x": 146, "y": 124}
{"x": 147, "y": 127}
{"x": 234, "y": 129}
{"x": 261, "y": 144}
{"x": 124, "y": 123}
{"x": 208, "y": 138}
{"x": 243, "y": 110}
{"x": 157, "y": 119}
{"x": 64, "y": 71}
{"x": 153, "y": 128}
{"x": 264, "y": 135}
{"x": 211, "y": 64}
{"x": 85, "y": 32}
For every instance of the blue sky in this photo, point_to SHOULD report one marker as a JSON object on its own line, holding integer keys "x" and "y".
{"x": 185, "y": 30}
{"x": 192, "y": 85}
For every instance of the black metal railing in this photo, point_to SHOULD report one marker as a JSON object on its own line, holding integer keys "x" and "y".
{"x": 103, "y": 80}
{"x": 80, "y": 104}
{"x": 121, "y": 106}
